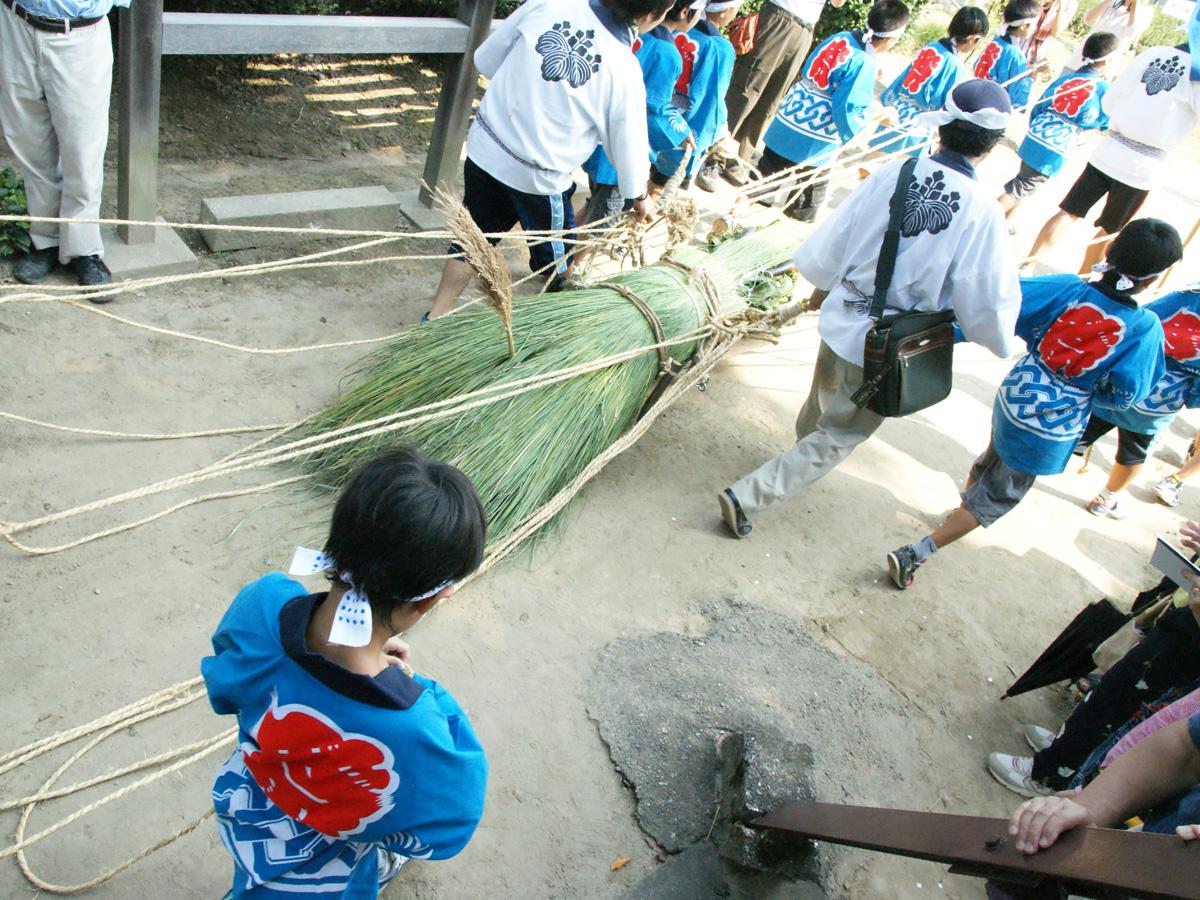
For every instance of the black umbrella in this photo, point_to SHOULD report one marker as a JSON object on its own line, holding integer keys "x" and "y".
{"x": 1070, "y": 654}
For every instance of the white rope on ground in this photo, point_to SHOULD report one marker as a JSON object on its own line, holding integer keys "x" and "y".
{"x": 137, "y": 435}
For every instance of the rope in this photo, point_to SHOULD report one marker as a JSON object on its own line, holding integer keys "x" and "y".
{"x": 135, "y": 435}
{"x": 656, "y": 329}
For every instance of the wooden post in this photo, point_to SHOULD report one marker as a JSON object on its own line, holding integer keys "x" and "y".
{"x": 139, "y": 72}
{"x": 458, "y": 95}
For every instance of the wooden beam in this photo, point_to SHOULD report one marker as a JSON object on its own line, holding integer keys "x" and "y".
{"x": 1102, "y": 860}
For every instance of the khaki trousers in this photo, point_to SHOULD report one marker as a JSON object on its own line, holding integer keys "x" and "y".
{"x": 763, "y": 76}
{"x": 828, "y": 428}
{"x": 54, "y": 91}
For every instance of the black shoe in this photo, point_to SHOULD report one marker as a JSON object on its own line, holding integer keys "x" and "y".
{"x": 709, "y": 177}
{"x": 91, "y": 271}
{"x": 731, "y": 512}
{"x": 903, "y": 565}
{"x": 35, "y": 265}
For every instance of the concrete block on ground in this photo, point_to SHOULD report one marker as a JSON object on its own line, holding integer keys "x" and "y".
{"x": 423, "y": 217}
{"x": 694, "y": 874}
{"x": 166, "y": 255}
{"x": 362, "y": 208}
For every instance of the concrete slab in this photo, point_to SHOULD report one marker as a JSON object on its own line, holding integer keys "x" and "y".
{"x": 366, "y": 208}
{"x": 694, "y": 874}
{"x": 168, "y": 255}
{"x": 420, "y": 215}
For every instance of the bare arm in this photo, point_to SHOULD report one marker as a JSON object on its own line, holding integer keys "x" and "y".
{"x": 1165, "y": 764}
{"x": 837, "y": 4}
{"x": 1092, "y": 16}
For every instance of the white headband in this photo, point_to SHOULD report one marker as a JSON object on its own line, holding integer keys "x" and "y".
{"x": 1125, "y": 282}
{"x": 722, "y": 5}
{"x": 1017, "y": 23}
{"x": 989, "y": 117}
{"x": 697, "y": 4}
{"x": 352, "y": 621}
{"x": 869, "y": 35}
{"x": 1088, "y": 61}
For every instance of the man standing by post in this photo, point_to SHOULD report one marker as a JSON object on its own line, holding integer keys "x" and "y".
{"x": 762, "y": 76}
{"x": 55, "y": 78}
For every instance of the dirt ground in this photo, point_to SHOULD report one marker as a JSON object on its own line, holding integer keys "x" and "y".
{"x": 100, "y": 626}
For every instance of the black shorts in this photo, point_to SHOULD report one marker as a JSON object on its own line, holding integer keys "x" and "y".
{"x": 604, "y": 203}
{"x": 496, "y": 208}
{"x": 995, "y": 488}
{"x": 1133, "y": 448}
{"x": 1025, "y": 182}
{"x": 1122, "y": 204}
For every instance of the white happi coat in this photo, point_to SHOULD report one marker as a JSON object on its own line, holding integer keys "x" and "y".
{"x": 1151, "y": 108}
{"x": 954, "y": 254}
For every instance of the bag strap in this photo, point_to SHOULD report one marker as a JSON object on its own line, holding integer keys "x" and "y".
{"x": 886, "y": 265}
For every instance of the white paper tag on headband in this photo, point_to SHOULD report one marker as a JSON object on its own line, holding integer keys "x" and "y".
{"x": 352, "y": 622}
{"x": 309, "y": 562}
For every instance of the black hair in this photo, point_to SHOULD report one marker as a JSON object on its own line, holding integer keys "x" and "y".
{"x": 1143, "y": 248}
{"x": 1016, "y": 10}
{"x": 1099, "y": 45}
{"x": 969, "y": 139}
{"x": 888, "y": 15}
{"x": 968, "y": 22}
{"x": 680, "y": 9}
{"x": 629, "y": 10}
{"x": 403, "y": 525}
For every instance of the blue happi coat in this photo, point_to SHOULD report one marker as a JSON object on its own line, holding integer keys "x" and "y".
{"x": 828, "y": 106}
{"x": 1085, "y": 343}
{"x": 700, "y": 92}
{"x": 1179, "y": 387}
{"x": 1003, "y": 62}
{"x": 922, "y": 87}
{"x": 330, "y": 766}
{"x": 661, "y": 68}
{"x": 1071, "y": 105}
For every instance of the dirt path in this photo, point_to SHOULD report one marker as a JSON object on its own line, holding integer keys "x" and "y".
{"x": 97, "y": 627}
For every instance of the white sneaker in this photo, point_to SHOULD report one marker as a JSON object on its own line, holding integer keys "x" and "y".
{"x": 1038, "y": 738}
{"x": 1015, "y": 773}
{"x": 1110, "y": 509}
{"x": 1169, "y": 491}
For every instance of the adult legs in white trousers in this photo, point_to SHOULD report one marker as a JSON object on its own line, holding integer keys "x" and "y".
{"x": 54, "y": 91}
{"x": 828, "y": 428}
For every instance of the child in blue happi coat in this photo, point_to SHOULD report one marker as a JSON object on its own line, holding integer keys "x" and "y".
{"x": 1138, "y": 425}
{"x": 662, "y": 67}
{"x": 1071, "y": 105}
{"x": 347, "y": 764}
{"x": 827, "y": 107}
{"x": 1003, "y": 60}
{"x": 926, "y": 82}
{"x": 700, "y": 91}
{"x": 1088, "y": 342}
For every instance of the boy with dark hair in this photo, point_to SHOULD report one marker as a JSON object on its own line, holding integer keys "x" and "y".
{"x": 927, "y": 81}
{"x": 1152, "y": 107}
{"x": 662, "y": 66}
{"x": 827, "y": 107}
{"x": 1071, "y": 105}
{"x": 563, "y": 80}
{"x": 700, "y": 92}
{"x": 348, "y": 764}
{"x": 1086, "y": 341}
{"x": 1139, "y": 425}
{"x": 953, "y": 254}
{"x": 1003, "y": 60}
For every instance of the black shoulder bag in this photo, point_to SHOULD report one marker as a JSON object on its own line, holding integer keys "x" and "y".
{"x": 908, "y": 357}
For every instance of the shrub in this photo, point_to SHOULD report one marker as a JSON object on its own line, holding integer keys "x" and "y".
{"x": 14, "y": 236}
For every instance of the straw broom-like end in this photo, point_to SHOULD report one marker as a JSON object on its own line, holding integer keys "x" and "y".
{"x": 489, "y": 266}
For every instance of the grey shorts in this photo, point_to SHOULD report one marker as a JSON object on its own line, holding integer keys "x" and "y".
{"x": 995, "y": 489}
{"x": 605, "y": 202}
{"x": 1026, "y": 182}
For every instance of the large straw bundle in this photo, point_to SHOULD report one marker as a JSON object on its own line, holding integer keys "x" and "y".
{"x": 521, "y": 451}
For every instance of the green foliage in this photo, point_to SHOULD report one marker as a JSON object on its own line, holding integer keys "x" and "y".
{"x": 333, "y": 7}
{"x": 14, "y": 236}
{"x": 1164, "y": 31}
{"x": 854, "y": 15}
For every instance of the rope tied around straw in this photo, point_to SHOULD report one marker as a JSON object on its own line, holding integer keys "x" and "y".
{"x": 666, "y": 365}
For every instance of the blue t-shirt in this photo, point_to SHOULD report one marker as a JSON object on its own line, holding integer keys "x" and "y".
{"x": 700, "y": 92}
{"x": 331, "y": 766}
{"x": 1085, "y": 342}
{"x": 1071, "y": 105}
{"x": 661, "y": 67}
{"x": 1003, "y": 62}
{"x": 1179, "y": 388}
{"x": 72, "y": 9}
{"x": 922, "y": 87}
{"x": 828, "y": 105}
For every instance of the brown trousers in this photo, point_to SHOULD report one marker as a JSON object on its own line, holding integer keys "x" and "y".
{"x": 763, "y": 76}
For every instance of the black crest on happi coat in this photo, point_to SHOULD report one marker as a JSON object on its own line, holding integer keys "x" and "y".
{"x": 566, "y": 54}
{"x": 929, "y": 206}
{"x": 1162, "y": 75}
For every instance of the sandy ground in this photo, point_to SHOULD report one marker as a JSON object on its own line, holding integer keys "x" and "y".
{"x": 97, "y": 627}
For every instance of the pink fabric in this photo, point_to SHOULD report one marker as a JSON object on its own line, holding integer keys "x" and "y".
{"x": 1180, "y": 709}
